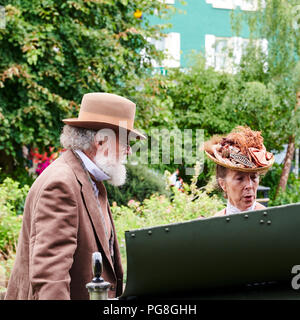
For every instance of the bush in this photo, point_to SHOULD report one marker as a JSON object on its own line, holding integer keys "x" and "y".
{"x": 290, "y": 195}
{"x": 6, "y": 265}
{"x": 292, "y": 192}
{"x": 140, "y": 184}
{"x": 12, "y": 196}
{"x": 19, "y": 174}
{"x": 12, "y": 199}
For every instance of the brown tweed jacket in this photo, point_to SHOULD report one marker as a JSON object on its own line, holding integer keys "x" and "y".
{"x": 61, "y": 229}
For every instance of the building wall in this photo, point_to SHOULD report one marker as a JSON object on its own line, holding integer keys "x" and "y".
{"x": 200, "y": 19}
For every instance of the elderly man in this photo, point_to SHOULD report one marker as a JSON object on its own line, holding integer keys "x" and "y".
{"x": 66, "y": 215}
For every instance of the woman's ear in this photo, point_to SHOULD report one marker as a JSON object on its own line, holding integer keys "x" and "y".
{"x": 222, "y": 184}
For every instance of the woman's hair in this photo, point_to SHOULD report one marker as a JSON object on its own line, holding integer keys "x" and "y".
{"x": 77, "y": 138}
{"x": 221, "y": 172}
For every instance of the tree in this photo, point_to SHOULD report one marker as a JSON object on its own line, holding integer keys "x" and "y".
{"x": 202, "y": 98}
{"x": 53, "y": 52}
{"x": 277, "y": 22}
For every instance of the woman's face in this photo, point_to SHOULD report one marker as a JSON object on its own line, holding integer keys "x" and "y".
{"x": 240, "y": 188}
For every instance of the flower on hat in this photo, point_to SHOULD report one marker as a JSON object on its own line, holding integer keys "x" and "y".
{"x": 241, "y": 148}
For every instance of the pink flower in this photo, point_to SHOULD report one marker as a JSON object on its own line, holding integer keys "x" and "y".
{"x": 42, "y": 166}
{"x": 168, "y": 210}
{"x": 130, "y": 202}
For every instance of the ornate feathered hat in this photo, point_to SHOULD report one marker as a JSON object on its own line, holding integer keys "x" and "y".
{"x": 242, "y": 149}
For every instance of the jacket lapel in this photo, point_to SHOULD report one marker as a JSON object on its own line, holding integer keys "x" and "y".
{"x": 90, "y": 202}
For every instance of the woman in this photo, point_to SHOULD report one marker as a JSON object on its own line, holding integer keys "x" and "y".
{"x": 240, "y": 157}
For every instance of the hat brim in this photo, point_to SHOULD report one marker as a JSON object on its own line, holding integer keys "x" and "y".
{"x": 256, "y": 169}
{"x": 96, "y": 125}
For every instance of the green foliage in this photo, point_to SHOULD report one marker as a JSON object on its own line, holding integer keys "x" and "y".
{"x": 290, "y": 195}
{"x": 260, "y": 107}
{"x": 279, "y": 70}
{"x": 141, "y": 183}
{"x": 10, "y": 226}
{"x": 197, "y": 95}
{"x": 12, "y": 199}
{"x": 20, "y": 174}
{"x": 186, "y": 99}
{"x": 6, "y": 265}
{"x": 275, "y": 23}
{"x": 53, "y": 52}
{"x": 271, "y": 179}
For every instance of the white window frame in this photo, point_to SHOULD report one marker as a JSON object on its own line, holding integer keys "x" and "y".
{"x": 222, "y": 4}
{"x": 168, "y": 1}
{"x": 170, "y": 45}
{"x": 172, "y": 50}
{"x": 245, "y": 5}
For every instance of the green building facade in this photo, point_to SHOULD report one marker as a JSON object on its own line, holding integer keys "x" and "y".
{"x": 204, "y": 25}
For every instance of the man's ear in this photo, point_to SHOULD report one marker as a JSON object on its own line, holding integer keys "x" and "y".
{"x": 100, "y": 142}
{"x": 102, "y": 146}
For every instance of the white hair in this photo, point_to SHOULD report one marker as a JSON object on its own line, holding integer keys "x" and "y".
{"x": 77, "y": 138}
{"x": 83, "y": 139}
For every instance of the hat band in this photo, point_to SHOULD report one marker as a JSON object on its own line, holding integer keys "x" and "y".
{"x": 95, "y": 117}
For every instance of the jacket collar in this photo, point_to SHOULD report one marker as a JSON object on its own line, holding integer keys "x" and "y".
{"x": 98, "y": 174}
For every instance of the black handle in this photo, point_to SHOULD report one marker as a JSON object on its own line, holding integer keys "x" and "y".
{"x": 97, "y": 267}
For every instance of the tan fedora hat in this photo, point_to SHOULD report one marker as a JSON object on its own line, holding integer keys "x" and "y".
{"x": 101, "y": 110}
{"x": 242, "y": 150}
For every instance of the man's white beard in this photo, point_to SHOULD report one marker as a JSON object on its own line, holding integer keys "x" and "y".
{"x": 116, "y": 170}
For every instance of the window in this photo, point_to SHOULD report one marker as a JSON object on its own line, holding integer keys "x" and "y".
{"x": 171, "y": 47}
{"x": 225, "y": 53}
{"x": 247, "y": 5}
{"x": 222, "y": 59}
{"x": 172, "y": 50}
{"x": 222, "y": 4}
{"x": 168, "y": 1}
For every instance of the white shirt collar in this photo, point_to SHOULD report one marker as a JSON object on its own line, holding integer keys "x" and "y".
{"x": 230, "y": 209}
{"x": 91, "y": 167}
